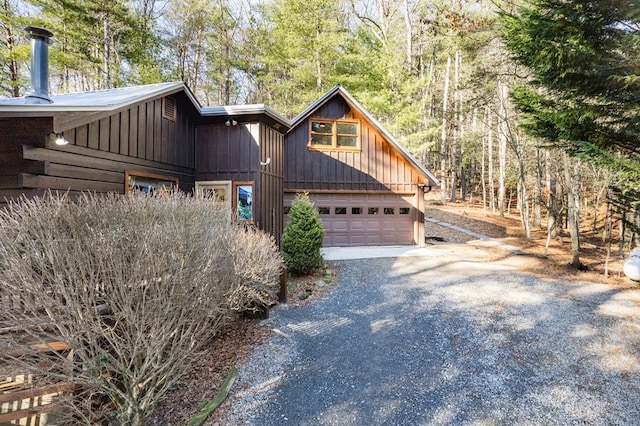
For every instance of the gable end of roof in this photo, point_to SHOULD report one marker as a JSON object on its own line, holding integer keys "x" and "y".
{"x": 338, "y": 90}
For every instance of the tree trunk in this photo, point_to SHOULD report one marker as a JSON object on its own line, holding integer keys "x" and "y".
{"x": 523, "y": 200}
{"x": 11, "y": 64}
{"x": 454, "y": 182}
{"x": 596, "y": 206}
{"x": 552, "y": 207}
{"x": 227, "y": 74}
{"x": 463, "y": 184}
{"x": 573, "y": 207}
{"x": 502, "y": 153}
{"x": 482, "y": 177}
{"x": 443, "y": 139}
{"x": 492, "y": 189}
{"x": 455, "y": 140}
{"x": 317, "y": 54}
{"x": 537, "y": 200}
{"x": 636, "y": 239}
{"x": 107, "y": 50}
{"x": 622, "y": 230}
{"x": 427, "y": 90}
{"x": 409, "y": 36}
{"x": 197, "y": 55}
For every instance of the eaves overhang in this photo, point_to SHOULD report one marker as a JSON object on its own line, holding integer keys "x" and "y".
{"x": 75, "y": 109}
{"x": 72, "y": 109}
{"x": 250, "y": 112}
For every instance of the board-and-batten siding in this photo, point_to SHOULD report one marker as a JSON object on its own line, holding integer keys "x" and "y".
{"x": 142, "y": 139}
{"x": 137, "y": 138}
{"x": 377, "y": 167}
{"x": 234, "y": 153}
{"x": 271, "y": 196}
{"x": 227, "y": 152}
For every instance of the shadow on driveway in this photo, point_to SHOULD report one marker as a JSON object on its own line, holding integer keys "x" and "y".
{"x": 447, "y": 340}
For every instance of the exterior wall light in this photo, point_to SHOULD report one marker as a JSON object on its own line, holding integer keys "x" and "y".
{"x": 59, "y": 139}
{"x": 266, "y": 162}
{"x": 425, "y": 188}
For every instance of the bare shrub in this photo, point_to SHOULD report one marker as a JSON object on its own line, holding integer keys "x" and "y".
{"x": 133, "y": 285}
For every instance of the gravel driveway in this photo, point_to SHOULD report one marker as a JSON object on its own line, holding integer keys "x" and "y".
{"x": 447, "y": 340}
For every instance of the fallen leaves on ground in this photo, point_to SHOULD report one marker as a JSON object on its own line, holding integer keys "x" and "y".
{"x": 552, "y": 262}
{"x": 208, "y": 372}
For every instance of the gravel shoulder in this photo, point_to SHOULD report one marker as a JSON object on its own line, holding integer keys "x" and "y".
{"x": 451, "y": 339}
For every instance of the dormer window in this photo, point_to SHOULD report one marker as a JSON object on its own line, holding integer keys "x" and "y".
{"x": 334, "y": 134}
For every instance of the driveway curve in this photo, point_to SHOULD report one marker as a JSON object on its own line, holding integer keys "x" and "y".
{"x": 449, "y": 339}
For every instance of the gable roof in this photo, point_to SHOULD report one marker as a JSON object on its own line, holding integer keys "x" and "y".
{"x": 114, "y": 99}
{"x": 338, "y": 90}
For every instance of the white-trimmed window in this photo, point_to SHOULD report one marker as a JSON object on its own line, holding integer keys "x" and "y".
{"x": 334, "y": 134}
{"x": 216, "y": 190}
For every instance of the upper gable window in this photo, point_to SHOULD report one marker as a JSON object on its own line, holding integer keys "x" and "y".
{"x": 334, "y": 134}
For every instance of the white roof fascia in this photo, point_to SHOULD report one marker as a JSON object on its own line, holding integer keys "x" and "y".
{"x": 236, "y": 110}
{"x": 80, "y": 102}
{"x": 357, "y": 106}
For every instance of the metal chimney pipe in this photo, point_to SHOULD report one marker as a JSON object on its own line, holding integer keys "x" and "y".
{"x": 40, "y": 40}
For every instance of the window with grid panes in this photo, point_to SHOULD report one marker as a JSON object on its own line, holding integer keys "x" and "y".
{"x": 334, "y": 134}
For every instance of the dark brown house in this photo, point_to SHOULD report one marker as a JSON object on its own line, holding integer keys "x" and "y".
{"x": 148, "y": 138}
{"x": 368, "y": 189}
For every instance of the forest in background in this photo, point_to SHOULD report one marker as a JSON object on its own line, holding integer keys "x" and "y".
{"x": 534, "y": 101}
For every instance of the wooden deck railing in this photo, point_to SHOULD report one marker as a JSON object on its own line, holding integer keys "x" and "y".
{"x": 23, "y": 401}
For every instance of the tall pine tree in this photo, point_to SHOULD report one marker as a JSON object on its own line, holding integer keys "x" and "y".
{"x": 584, "y": 91}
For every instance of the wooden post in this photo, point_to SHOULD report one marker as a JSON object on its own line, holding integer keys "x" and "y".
{"x": 282, "y": 294}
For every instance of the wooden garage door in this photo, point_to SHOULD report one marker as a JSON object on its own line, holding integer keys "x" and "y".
{"x": 364, "y": 219}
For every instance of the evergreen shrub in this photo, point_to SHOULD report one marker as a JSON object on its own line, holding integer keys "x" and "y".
{"x": 302, "y": 239}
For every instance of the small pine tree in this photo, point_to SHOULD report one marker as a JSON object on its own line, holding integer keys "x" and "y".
{"x": 302, "y": 239}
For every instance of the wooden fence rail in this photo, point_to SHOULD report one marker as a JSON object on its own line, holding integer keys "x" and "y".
{"x": 30, "y": 406}
{"x": 22, "y": 400}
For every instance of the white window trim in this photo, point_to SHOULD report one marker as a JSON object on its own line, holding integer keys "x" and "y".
{"x": 212, "y": 184}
